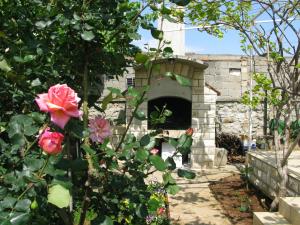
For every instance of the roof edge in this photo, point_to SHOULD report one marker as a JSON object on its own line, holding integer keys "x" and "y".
{"x": 183, "y": 59}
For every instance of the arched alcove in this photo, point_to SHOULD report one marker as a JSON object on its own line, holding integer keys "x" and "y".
{"x": 181, "y": 118}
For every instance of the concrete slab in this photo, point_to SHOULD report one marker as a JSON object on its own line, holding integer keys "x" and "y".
{"x": 269, "y": 157}
{"x": 195, "y": 204}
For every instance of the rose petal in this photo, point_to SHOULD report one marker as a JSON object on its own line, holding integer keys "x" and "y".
{"x": 42, "y": 100}
{"x": 59, "y": 118}
{"x": 53, "y": 107}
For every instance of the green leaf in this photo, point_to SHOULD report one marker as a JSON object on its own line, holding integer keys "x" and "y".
{"x": 33, "y": 164}
{"x": 145, "y": 140}
{"x": 22, "y": 125}
{"x": 115, "y": 91}
{"x": 141, "y": 58}
{"x": 23, "y": 205}
{"x": 182, "y": 80}
{"x": 8, "y": 202}
{"x": 141, "y": 211}
{"x": 297, "y": 66}
{"x": 18, "y": 218}
{"x": 171, "y": 163}
{"x": 106, "y": 101}
{"x": 158, "y": 162}
{"x": 5, "y": 222}
{"x": 59, "y": 196}
{"x": 140, "y": 115}
{"x": 107, "y": 221}
{"x": 141, "y": 154}
{"x": 4, "y": 66}
{"x": 186, "y": 174}
{"x": 38, "y": 117}
{"x": 157, "y": 34}
{"x": 29, "y": 58}
{"x": 168, "y": 50}
{"x": 184, "y": 144}
{"x": 153, "y": 204}
{"x": 36, "y": 82}
{"x": 173, "y": 189}
{"x": 169, "y": 74}
{"x": 87, "y": 35}
{"x": 41, "y": 24}
{"x": 167, "y": 112}
{"x": 151, "y": 144}
{"x": 173, "y": 142}
{"x": 168, "y": 179}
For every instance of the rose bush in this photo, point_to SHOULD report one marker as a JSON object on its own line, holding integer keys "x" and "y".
{"x": 84, "y": 178}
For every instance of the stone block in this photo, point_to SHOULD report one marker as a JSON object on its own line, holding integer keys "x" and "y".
{"x": 185, "y": 71}
{"x": 201, "y": 161}
{"x": 198, "y": 150}
{"x": 138, "y": 82}
{"x": 293, "y": 184}
{"x": 198, "y": 90}
{"x": 195, "y": 83}
{"x": 269, "y": 218}
{"x": 195, "y": 98}
{"x": 141, "y": 75}
{"x": 220, "y": 159}
{"x": 198, "y": 74}
{"x": 163, "y": 69}
{"x": 177, "y": 68}
{"x": 144, "y": 82}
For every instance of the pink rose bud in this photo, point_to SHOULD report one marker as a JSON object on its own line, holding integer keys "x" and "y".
{"x": 50, "y": 142}
{"x": 189, "y": 132}
{"x": 61, "y": 102}
{"x": 154, "y": 151}
{"x": 160, "y": 210}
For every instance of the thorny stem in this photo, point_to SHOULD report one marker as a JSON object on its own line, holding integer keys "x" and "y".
{"x": 86, "y": 199}
{"x": 30, "y": 185}
{"x": 149, "y": 75}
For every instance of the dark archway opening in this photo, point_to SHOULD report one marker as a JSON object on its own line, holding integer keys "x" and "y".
{"x": 181, "y": 117}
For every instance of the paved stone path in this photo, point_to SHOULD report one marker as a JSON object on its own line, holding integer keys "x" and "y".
{"x": 195, "y": 204}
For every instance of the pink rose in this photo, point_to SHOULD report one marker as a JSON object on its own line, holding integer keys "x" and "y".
{"x": 61, "y": 102}
{"x": 160, "y": 211}
{"x": 50, "y": 142}
{"x": 154, "y": 151}
{"x": 99, "y": 129}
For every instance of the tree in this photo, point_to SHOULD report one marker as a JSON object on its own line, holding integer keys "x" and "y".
{"x": 279, "y": 43}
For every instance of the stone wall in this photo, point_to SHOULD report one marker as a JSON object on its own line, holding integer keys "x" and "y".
{"x": 229, "y": 74}
{"x": 265, "y": 176}
{"x": 233, "y": 117}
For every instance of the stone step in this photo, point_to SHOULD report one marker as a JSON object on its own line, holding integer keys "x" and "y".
{"x": 269, "y": 218}
{"x": 289, "y": 207}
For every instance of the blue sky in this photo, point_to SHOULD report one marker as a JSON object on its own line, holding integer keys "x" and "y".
{"x": 200, "y": 42}
{"x": 203, "y": 43}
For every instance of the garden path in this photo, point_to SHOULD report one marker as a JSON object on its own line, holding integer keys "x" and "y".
{"x": 195, "y": 204}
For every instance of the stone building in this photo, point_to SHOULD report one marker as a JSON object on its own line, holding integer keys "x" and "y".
{"x": 218, "y": 83}
{"x": 210, "y": 105}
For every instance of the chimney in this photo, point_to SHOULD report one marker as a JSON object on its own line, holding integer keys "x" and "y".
{"x": 175, "y": 33}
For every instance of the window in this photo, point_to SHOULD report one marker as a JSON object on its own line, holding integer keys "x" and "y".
{"x": 130, "y": 82}
{"x": 235, "y": 71}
